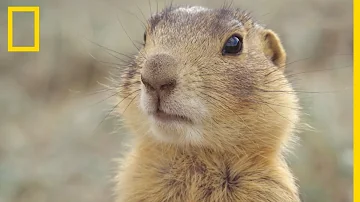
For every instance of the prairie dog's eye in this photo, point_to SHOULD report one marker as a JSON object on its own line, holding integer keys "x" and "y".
{"x": 144, "y": 37}
{"x": 233, "y": 45}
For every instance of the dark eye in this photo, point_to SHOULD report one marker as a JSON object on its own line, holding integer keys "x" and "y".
{"x": 144, "y": 37}
{"x": 233, "y": 46}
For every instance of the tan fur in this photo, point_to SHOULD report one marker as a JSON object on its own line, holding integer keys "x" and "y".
{"x": 243, "y": 110}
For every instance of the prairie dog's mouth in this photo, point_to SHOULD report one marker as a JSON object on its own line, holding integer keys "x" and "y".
{"x": 166, "y": 117}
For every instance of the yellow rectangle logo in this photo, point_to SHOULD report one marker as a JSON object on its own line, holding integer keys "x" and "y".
{"x": 36, "y": 11}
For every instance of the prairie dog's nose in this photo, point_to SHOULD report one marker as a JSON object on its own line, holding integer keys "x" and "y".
{"x": 159, "y": 73}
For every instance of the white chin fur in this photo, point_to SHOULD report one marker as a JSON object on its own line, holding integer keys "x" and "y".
{"x": 177, "y": 133}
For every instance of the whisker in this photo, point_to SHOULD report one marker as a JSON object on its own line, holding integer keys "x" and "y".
{"x": 106, "y": 98}
{"x": 140, "y": 43}
{"x": 104, "y": 62}
{"x": 157, "y": 7}
{"x": 126, "y": 11}
{"x": 113, "y": 108}
{"x": 150, "y": 7}
{"x": 107, "y": 64}
{"x": 227, "y": 6}
{"x": 129, "y": 84}
{"x": 137, "y": 6}
{"x": 277, "y": 105}
{"x": 319, "y": 70}
{"x": 307, "y": 72}
{"x": 122, "y": 26}
{"x": 91, "y": 93}
{"x": 280, "y": 68}
{"x": 130, "y": 103}
{"x": 287, "y": 76}
{"x": 310, "y": 92}
{"x": 278, "y": 113}
{"x": 122, "y": 54}
{"x": 137, "y": 17}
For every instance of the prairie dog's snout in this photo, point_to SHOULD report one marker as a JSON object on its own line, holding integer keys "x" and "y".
{"x": 159, "y": 74}
{"x": 165, "y": 97}
{"x": 159, "y": 78}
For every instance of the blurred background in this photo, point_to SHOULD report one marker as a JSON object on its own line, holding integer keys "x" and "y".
{"x": 57, "y": 142}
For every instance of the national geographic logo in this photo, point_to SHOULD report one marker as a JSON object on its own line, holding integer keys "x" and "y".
{"x": 36, "y": 46}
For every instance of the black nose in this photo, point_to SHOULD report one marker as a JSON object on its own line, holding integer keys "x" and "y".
{"x": 159, "y": 73}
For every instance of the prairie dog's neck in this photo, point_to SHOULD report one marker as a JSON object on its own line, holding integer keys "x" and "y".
{"x": 148, "y": 147}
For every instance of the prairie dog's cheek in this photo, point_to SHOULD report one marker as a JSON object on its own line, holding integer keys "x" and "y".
{"x": 190, "y": 104}
{"x": 199, "y": 108}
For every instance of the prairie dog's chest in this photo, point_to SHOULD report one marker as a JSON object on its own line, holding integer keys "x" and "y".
{"x": 162, "y": 176}
{"x": 182, "y": 178}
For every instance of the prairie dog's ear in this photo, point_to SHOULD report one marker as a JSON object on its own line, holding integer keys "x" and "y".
{"x": 273, "y": 48}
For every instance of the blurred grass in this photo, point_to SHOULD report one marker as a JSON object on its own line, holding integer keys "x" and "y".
{"x": 51, "y": 148}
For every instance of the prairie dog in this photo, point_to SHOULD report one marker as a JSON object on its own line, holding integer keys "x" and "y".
{"x": 202, "y": 101}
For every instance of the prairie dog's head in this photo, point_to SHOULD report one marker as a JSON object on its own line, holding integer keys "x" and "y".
{"x": 209, "y": 77}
